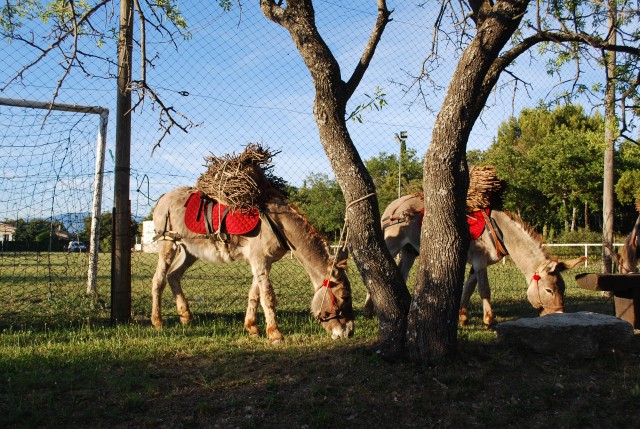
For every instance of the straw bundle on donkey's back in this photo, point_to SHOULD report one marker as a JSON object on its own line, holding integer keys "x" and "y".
{"x": 238, "y": 181}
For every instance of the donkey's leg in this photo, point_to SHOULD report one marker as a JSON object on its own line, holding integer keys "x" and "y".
{"x": 407, "y": 257}
{"x": 166, "y": 253}
{"x": 267, "y": 299}
{"x": 180, "y": 264}
{"x": 485, "y": 294}
{"x": 252, "y": 310}
{"x": 467, "y": 291}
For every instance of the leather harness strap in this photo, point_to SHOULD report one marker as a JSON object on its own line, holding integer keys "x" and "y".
{"x": 393, "y": 219}
{"x": 495, "y": 234}
{"x": 387, "y": 221}
{"x": 278, "y": 232}
{"x": 219, "y": 235}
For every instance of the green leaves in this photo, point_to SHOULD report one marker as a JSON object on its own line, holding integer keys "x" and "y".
{"x": 552, "y": 161}
{"x": 321, "y": 199}
{"x": 377, "y": 102}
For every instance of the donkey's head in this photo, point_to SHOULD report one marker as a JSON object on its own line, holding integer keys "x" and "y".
{"x": 331, "y": 304}
{"x": 546, "y": 286}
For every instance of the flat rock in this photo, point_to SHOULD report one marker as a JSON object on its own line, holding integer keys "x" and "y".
{"x": 574, "y": 335}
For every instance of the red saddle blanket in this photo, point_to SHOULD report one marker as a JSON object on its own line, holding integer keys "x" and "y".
{"x": 476, "y": 223}
{"x": 234, "y": 222}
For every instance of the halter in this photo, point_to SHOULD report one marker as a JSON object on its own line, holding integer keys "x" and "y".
{"x": 335, "y": 310}
{"x": 535, "y": 278}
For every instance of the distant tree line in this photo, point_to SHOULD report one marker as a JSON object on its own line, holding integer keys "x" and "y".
{"x": 551, "y": 161}
{"x": 43, "y": 234}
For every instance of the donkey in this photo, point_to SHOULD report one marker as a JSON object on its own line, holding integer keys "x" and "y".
{"x": 628, "y": 259}
{"x": 280, "y": 228}
{"x": 503, "y": 234}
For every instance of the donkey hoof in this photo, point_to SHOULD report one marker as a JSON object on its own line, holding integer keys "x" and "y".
{"x": 489, "y": 320}
{"x": 185, "y": 318}
{"x": 156, "y": 322}
{"x": 463, "y": 317}
{"x": 252, "y": 329}
{"x": 274, "y": 335}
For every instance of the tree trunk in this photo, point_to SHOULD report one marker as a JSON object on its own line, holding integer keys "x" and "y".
{"x": 610, "y": 125}
{"x": 574, "y": 214}
{"x": 121, "y": 252}
{"x": 433, "y": 317}
{"x": 379, "y": 271}
{"x": 587, "y": 222}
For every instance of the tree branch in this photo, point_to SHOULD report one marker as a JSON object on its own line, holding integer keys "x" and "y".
{"x": 273, "y": 11}
{"x": 72, "y": 32}
{"x": 367, "y": 55}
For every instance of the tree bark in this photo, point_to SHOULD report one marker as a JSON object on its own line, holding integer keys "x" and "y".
{"x": 587, "y": 224}
{"x": 610, "y": 125}
{"x": 121, "y": 252}
{"x": 375, "y": 264}
{"x": 432, "y": 323}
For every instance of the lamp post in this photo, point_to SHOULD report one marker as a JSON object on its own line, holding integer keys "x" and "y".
{"x": 401, "y": 138}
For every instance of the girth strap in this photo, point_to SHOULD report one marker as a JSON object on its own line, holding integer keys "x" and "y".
{"x": 206, "y": 208}
{"x": 278, "y": 232}
{"x": 495, "y": 233}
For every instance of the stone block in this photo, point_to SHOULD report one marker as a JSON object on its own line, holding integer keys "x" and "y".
{"x": 578, "y": 335}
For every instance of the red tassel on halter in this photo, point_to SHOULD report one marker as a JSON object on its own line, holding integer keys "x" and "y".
{"x": 329, "y": 284}
{"x": 536, "y": 277}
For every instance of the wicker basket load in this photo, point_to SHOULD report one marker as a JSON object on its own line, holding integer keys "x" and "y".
{"x": 237, "y": 181}
{"x": 484, "y": 188}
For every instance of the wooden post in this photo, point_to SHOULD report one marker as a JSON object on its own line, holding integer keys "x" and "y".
{"x": 121, "y": 256}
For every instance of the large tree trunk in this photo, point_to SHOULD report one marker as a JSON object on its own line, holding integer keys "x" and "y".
{"x": 377, "y": 268}
{"x": 433, "y": 317}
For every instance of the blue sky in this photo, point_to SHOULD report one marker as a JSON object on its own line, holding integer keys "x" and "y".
{"x": 246, "y": 83}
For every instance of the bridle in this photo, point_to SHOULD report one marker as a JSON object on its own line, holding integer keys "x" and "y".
{"x": 535, "y": 278}
{"x": 336, "y": 312}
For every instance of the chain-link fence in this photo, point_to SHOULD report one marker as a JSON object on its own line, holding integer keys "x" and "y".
{"x": 237, "y": 79}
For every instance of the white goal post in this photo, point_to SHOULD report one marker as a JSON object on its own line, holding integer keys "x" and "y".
{"x": 103, "y": 113}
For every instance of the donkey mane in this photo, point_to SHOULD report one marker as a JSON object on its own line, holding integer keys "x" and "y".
{"x": 318, "y": 239}
{"x": 529, "y": 230}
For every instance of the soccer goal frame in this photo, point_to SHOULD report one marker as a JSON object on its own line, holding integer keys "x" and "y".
{"x": 101, "y": 141}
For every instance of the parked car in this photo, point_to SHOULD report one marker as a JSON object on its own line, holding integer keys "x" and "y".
{"x": 77, "y": 246}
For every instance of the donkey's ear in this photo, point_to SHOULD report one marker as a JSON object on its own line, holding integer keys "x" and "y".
{"x": 560, "y": 266}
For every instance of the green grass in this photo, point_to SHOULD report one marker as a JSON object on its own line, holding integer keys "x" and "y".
{"x": 62, "y": 365}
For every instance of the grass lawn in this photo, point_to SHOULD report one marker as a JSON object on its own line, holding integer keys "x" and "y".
{"x": 62, "y": 365}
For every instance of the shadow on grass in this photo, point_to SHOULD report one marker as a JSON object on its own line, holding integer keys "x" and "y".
{"x": 129, "y": 380}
